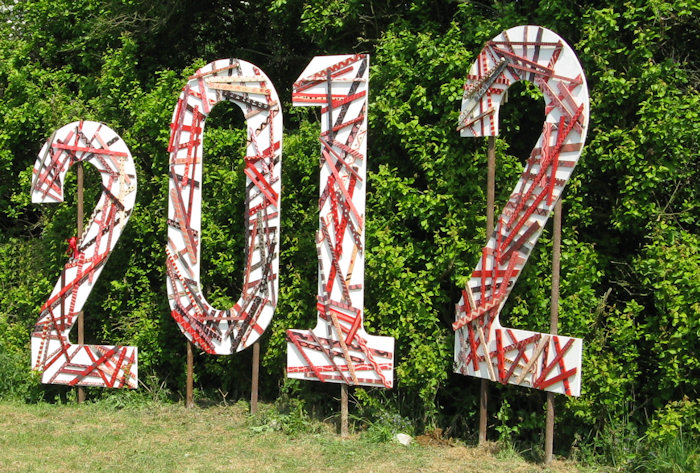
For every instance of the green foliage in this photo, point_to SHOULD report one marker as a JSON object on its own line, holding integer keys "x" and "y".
{"x": 677, "y": 418}
{"x": 286, "y": 415}
{"x": 678, "y": 454}
{"x": 17, "y": 381}
{"x": 386, "y": 427}
{"x": 22, "y": 290}
{"x": 377, "y": 421}
{"x": 152, "y": 392}
{"x": 630, "y": 263}
{"x": 506, "y": 432}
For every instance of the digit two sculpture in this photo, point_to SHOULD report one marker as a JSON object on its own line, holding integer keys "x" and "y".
{"x": 484, "y": 348}
{"x": 59, "y": 360}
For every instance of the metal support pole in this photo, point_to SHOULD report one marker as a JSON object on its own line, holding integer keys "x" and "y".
{"x": 254, "y": 379}
{"x": 81, "y": 319}
{"x": 553, "y": 322}
{"x": 490, "y": 186}
{"x": 549, "y": 430}
{"x": 344, "y": 410}
{"x": 189, "y": 397}
{"x": 490, "y": 203}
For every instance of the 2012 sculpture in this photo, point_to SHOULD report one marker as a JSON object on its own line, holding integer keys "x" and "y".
{"x": 338, "y": 349}
{"x": 484, "y": 348}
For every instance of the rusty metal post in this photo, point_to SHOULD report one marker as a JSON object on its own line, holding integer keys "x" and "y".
{"x": 254, "y": 379}
{"x": 553, "y": 322}
{"x": 490, "y": 203}
{"x": 81, "y": 319}
{"x": 189, "y": 396}
{"x": 344, "y": 410}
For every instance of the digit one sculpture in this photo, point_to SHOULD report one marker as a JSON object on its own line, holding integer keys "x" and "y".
{"x": 338, "y": 349}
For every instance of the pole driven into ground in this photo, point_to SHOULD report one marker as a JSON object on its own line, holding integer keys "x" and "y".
{"x": 343, "y": 410}
{"x": 490, "y": 202}
{"x": 81, "y": 318}
{"x": 553, "y": 322}
{"x": 189, "y": 391}
{"x": 254, "y": 378}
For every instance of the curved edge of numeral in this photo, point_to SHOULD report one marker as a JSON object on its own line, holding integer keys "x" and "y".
{"x": 60, "y": 361}
{"x": 225, "y": 331}
{"x": 338, "y": 349}
{"x": 482, "y": 347}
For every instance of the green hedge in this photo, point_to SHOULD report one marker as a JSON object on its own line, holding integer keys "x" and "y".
{"x": 630, "y": 265}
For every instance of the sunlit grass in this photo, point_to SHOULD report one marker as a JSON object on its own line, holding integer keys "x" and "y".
{"x": 169, "y": 438}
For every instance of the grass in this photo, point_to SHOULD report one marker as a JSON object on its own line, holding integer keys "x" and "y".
{"x": 170, "y": 438}
{"x": 676, "y": 455}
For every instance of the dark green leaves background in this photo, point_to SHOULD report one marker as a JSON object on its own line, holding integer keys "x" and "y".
{"x": 630, "y": 264}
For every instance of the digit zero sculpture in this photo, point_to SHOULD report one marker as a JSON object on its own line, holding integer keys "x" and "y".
{"x": 214, "y": 330}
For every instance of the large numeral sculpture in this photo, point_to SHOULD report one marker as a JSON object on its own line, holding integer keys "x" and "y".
{"x": 59, "y": 360}
{"x": 214, "y": 330}
{"x": 482, "y": 347}
{"x": 338, "y": 349}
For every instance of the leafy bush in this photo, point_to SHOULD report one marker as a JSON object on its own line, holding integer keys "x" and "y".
{"x": 17, "y": 381}
{"x": 676, "y": 419}
{"x": 286, "y": 415}
{"x": 630, "y": 261}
